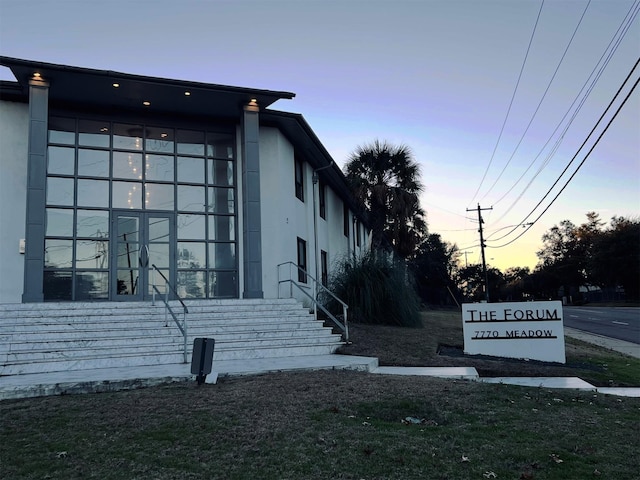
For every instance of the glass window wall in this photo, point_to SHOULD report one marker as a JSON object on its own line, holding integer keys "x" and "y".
{"x": 96, "y": 166}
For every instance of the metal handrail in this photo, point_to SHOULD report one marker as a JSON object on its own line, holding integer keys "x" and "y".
{"x": 167, "y": 307}
{"x": 344, "y": 326}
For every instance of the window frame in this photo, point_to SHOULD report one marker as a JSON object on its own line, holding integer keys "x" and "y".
{"x": 298, "y": 176}
{"x": 322, "y": 199}
{"x": 302, "y": 259}
{"x": 345, "y": 220}
{"x": 324, "y": 268}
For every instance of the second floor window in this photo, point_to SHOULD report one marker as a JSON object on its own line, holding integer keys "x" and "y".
{"x": 322, "y": 200}
{"x": 299, "y": 176}
{"x": 302, "y": 260}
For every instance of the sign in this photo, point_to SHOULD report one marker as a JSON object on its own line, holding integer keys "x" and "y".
{"x": 527, "y": 330}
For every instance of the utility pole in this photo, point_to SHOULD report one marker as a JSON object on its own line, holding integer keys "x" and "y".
{"x": 466, "y": 260}
{"x": 482, "y": 245}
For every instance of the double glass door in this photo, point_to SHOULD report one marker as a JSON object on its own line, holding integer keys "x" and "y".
{"x": 142, "y": 240}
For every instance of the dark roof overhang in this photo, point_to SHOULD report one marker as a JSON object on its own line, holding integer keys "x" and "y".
{"x": 89, "y": 87}
{"x": 85, "y": 87}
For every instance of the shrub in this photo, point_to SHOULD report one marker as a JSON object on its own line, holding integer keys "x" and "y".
{"x": 377, "y": 289}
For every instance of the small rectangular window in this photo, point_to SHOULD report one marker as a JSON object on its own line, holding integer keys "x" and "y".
{"x": 345, "y": 216}
{"x": 322, "y": 197}
{"x": 357, "y": 232}
{"x": 324, "y": 265}
{"x": 302, "y": 261}
{"x": 299, "y": 174}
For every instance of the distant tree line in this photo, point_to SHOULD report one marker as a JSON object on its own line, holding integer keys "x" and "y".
{"x": 589, "y": 262}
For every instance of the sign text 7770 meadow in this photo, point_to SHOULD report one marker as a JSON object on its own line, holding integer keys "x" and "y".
{"x": 531, "y": 330}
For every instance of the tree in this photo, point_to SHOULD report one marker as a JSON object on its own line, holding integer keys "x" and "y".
{"x": 564, "y": 255}
{"x": 386, "y": 180}
{"x": 516, "y": 284}
{"x": 471, "y": 282}
{"x": 615, "y": 258}
{"x": 590, "y": 255}
{"x": 433, "y": 267}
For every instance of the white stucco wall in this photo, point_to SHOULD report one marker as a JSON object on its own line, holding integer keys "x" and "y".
{"x": 285, "y": 217}
{"x": 14, "y": 133}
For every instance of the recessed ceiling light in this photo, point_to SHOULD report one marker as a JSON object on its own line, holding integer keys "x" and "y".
{"x": 186, "y": 94}
{"x": 146, "y": 104}
{"x": 163, "y": 135}
{"x": 104, "y": 129}
{"x": 116, "y": 85}
{"x": 36, "y": 74}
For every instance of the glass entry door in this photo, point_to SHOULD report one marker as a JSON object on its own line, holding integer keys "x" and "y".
{"x": 141, "y": 240}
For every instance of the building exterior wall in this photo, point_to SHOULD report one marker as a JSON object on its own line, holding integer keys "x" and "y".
{"x": 14, "y": 128}
{"x": 285, "y": 218}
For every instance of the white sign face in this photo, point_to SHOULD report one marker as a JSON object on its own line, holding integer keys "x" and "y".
{"x": 531, "y": 330}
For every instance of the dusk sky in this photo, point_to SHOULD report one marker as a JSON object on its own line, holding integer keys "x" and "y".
{"x": 438, "y": 76}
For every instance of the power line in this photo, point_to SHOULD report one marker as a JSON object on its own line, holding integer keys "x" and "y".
{"x": 513, "y": 96}
{"x": 544, "y": 95}
{"x": 583, "y": 160}
{"x": 615, "y": 41}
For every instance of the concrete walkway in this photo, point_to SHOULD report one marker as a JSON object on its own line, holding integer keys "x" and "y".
{"x": 628, "y": 348}
{"x": 114, "y": 379}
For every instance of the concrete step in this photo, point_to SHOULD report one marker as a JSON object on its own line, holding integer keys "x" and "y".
{"x": 58, "y": 344}
{"x": 36, "y": 338}
{"x": 105, "y": 324}
{"x": 68, "y": 308}
{"x": 62, "y": 333}
{"x": 100, "y": 359}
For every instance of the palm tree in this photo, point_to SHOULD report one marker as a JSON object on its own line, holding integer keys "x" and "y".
{"x": 386, "y": 180}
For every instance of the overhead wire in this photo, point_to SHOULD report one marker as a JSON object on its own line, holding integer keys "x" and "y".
{"x": 513, "y": 96}
{"x": 585, "y": 157}
{"x": 608, "y": 53}
{"x": 544, "y": 95}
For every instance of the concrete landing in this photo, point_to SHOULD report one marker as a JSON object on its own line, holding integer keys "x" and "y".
{"x": 125, "y": 378}
{"x": 545, "y": 382}
{"x": 465, "y": 373}
{"x": 620, "y": 392}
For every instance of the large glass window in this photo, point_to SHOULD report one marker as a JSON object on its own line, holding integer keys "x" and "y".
{"x": 93, "y": 134}
{"x": 93, "y": 163}
{"x": 159, "y": 139}
{"x": 61, "y": 160}
{"x": 190, "y": 142}
{"x": 97, "y": 166}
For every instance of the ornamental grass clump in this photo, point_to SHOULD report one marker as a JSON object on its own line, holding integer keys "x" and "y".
{"x": 377, "y": 289}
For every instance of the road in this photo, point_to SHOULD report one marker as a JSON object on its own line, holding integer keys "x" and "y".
{"x": 622, "y": 323}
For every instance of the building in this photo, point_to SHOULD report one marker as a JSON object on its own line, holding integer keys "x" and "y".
{"x": 104, "y": 174}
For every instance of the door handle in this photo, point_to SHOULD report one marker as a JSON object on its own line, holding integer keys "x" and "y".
{"x": 143, "y": 260}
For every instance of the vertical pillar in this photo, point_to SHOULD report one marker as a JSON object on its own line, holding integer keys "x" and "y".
{"x": 36, "y": 190}
{"x": 252, "y": 229}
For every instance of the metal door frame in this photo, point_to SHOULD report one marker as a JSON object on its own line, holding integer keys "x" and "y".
{"x": 144, "y": 257}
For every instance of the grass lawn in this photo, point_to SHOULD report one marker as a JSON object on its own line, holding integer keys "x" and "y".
{"x": 336, "y": 424}
{"x": 440, "y": 344}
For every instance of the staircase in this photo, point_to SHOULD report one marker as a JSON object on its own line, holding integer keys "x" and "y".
{"x": 54, "y": 337}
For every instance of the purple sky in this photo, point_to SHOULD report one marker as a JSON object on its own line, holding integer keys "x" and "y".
{"x": 437, "y": 76}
